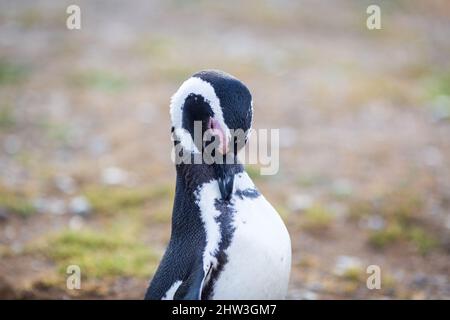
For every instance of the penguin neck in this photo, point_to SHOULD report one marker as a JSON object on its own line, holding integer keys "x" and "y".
{"x": 190, "y": 177}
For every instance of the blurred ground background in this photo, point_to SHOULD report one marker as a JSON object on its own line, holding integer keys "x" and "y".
{"x": 85, "y": 170}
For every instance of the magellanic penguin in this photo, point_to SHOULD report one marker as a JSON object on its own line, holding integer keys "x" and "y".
{"x": 227, "y": 240}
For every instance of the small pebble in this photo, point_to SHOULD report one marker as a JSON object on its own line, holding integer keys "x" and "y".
{"x": 12, "y": 144}
{"x": 76, "y": 223}
{"x": 98, "y": 146}
{"x": 440, "y": 108}
{"x": 10, "y": 232}
{"x": 80, "y": 206}
{"x": 342, "y": 188}
{"x": 16, "y": 247}
{"x": 344, "y": 263}
{"x": 65, "y": 184}
{"x": 300, "y": 202}
{"x": 375, "y": 222}
{"x": 114, "y": 176}
{"x": 3, "y": 214}
{"x": 302, "y": 294}
{"x": 50, "y": 205}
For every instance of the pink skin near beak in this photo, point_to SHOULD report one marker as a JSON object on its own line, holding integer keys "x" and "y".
{"x": 217, "y": 130}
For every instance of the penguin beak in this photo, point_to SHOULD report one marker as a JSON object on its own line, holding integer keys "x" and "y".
{"x": 224, "y": 178}
{"x": 217, "y": 130}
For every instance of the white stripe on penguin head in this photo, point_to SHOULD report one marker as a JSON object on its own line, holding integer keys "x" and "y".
{"x": 197, "y": 86}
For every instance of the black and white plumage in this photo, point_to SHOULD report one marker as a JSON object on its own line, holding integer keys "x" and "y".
{"x": 227, "y": 241}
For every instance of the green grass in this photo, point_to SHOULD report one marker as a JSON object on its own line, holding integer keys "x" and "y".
{"x": 30, "y": 18}
{"x": 99, "y": 80}
{"x": 439, "y": 84}
{"x": 254, "y": 172}
{"x": 155, "y": 47}
{"x": 402, "y": 210}
{"x": 111, "y": 200}
{"x": 58, "y": 132}
{"x": 7, "y": 119}
{"x": 360, "y": 208}
{"x": 317, "y": 218}
{"x": 311, "y": 180}
{"x": 353, "y": 274}
{"x": 423, "y": 241}
{"x": 403, "y": 204}
{"x": 100, "y": 254}
{"x": 438, "y": 91}
{"x": 391, "y": 234}
{"x": 11, "y": 73}
{"x": 15, "y": 202}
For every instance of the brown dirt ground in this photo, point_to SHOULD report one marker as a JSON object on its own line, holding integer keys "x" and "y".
{"x": 358, "y": 122}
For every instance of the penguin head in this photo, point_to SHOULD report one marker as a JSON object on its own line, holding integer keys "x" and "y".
{"x": 216, "y": 101}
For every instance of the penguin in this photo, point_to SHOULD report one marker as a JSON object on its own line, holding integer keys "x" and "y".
{"x": 227, "y": 241}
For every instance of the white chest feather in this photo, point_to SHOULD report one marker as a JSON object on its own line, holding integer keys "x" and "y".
{"x": 259, "y": 255}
